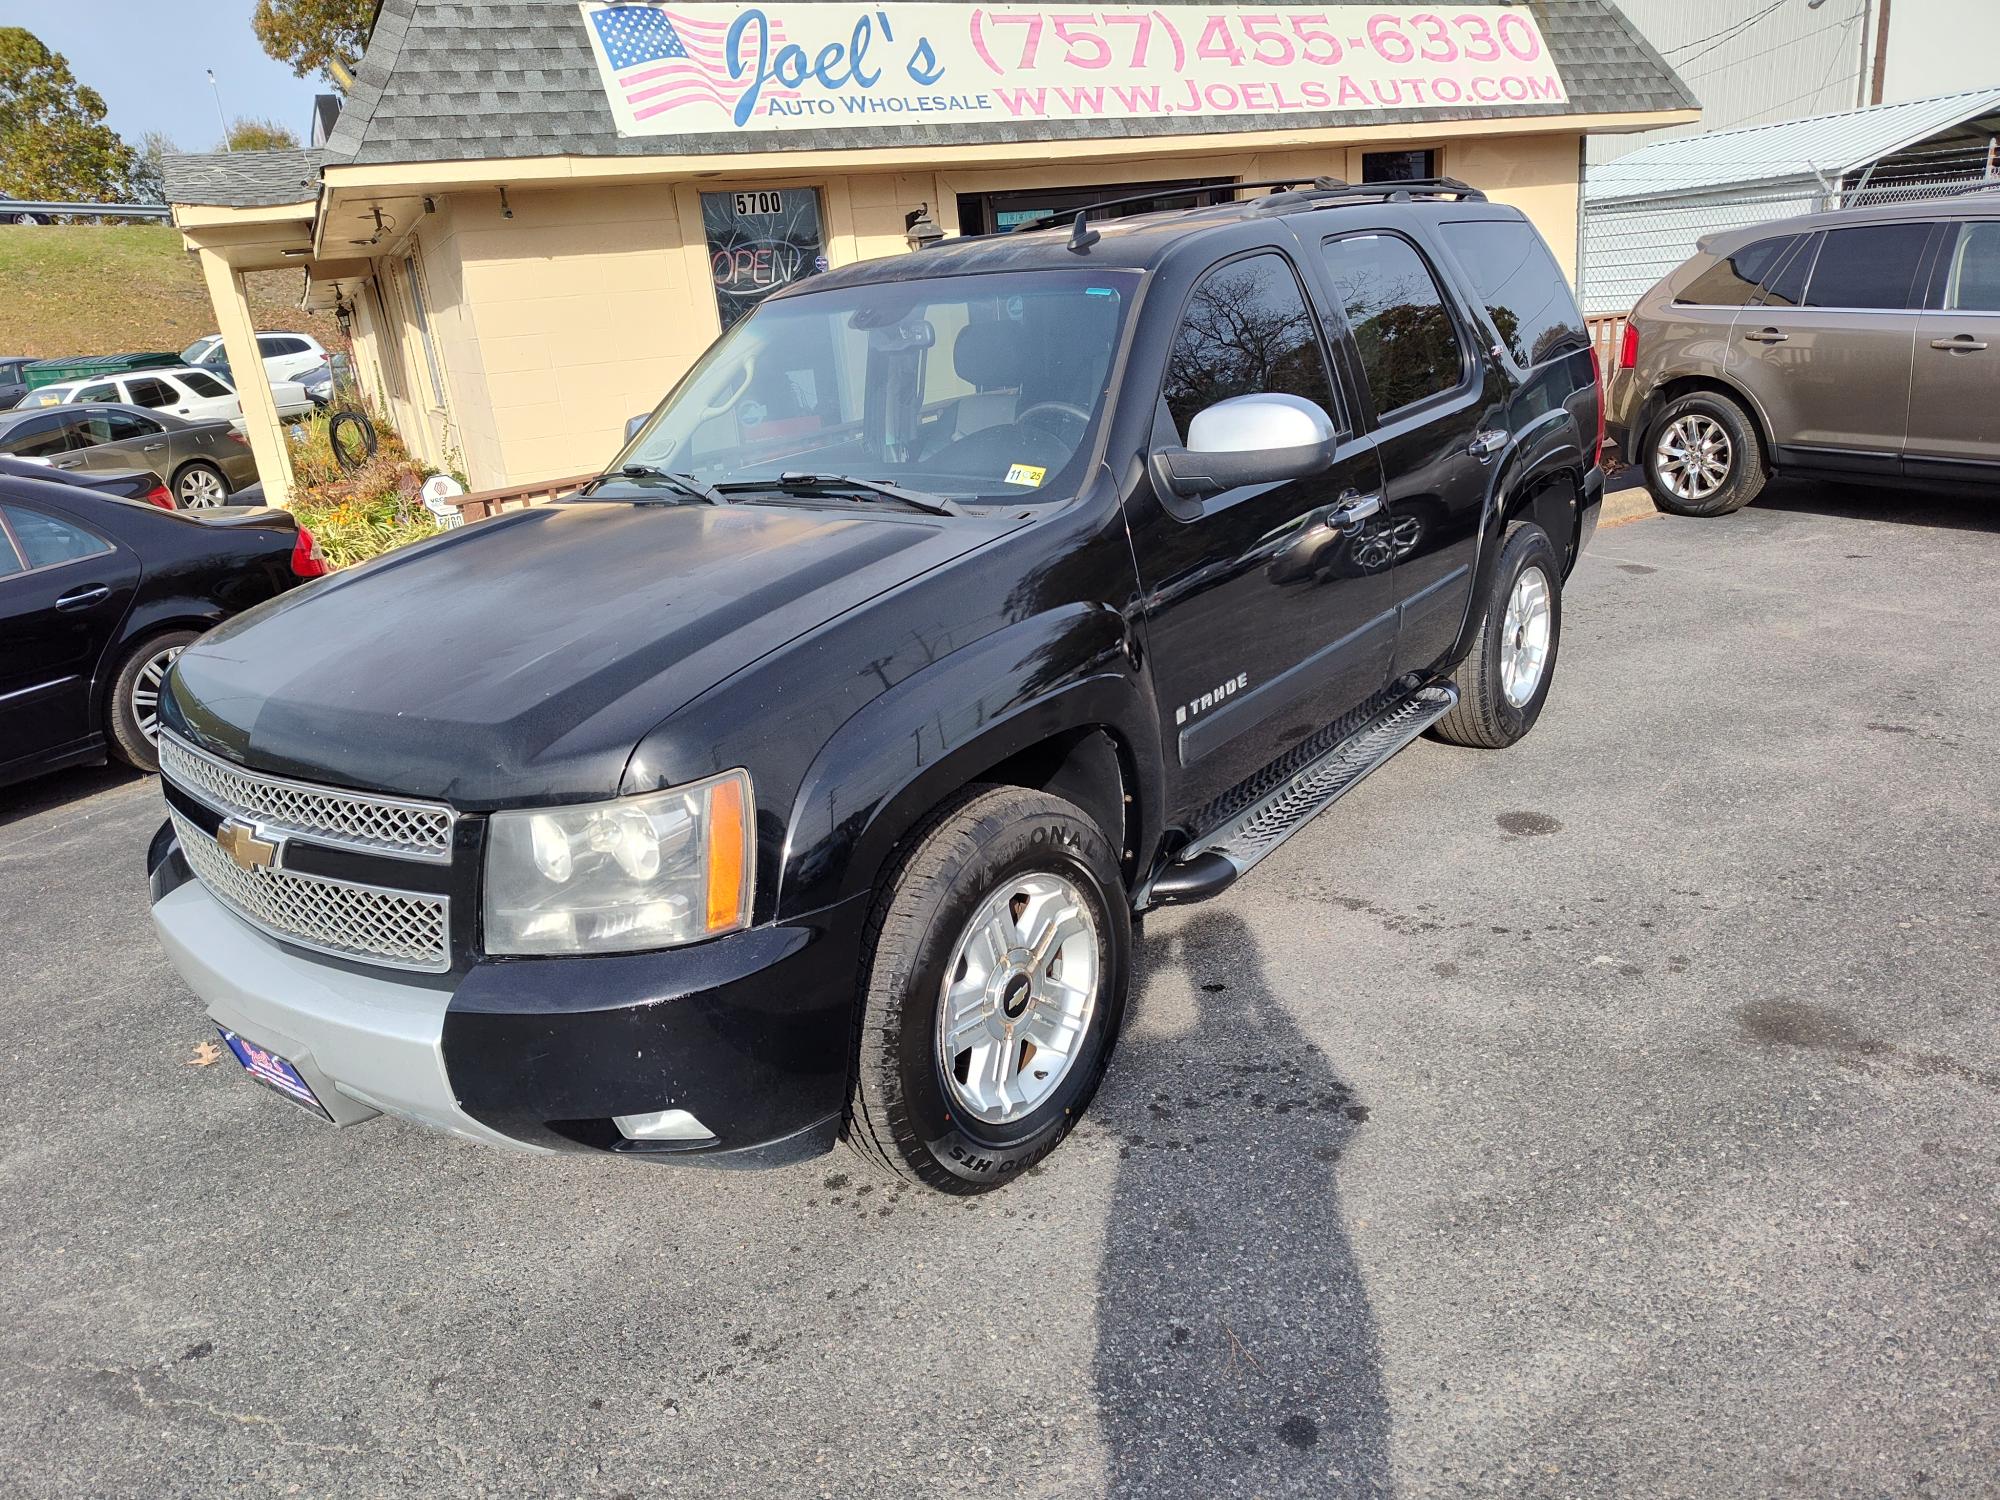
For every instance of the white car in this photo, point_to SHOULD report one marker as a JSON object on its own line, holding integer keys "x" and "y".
{"x": 286, "y": 355}
{"x": 198, "y": 395}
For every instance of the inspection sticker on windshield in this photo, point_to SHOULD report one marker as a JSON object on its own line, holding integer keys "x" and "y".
{"x": 1028, "y": 474}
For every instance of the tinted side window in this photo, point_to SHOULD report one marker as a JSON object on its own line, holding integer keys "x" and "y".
{"x": 150, "y": 392}
{"x": 1409, "y": 348}
{"x": 10, "y": 560}
{"x": 116, "y": 426}
{"x": 104, "y": 390}
{"x": 1787, "y": 287}
{"x": 1246, "y": 331}
{"x": 267, "y": 345}
{"x": 201, "y": 385}
{"x": 1975, "y": 270}
{"x": 1522, "y": 288}
{"x": 45, "y": 541}
{"x": 1732, "y": 281}
{"x": 38, "y": 437}
{"x": 1871, "y": 266}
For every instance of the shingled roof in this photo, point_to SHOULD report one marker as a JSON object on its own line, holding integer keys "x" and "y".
{"x": 242, "y": 179}
{"x": 450, "y": 80}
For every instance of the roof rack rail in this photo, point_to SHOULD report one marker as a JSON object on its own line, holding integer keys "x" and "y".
{"x": 1298, "y": 191}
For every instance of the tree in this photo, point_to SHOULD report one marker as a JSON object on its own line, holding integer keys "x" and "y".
{"x": 315, "y": 36}
{"x": 54, "y": 143}
{"x": 148, "y": 182}
{"x": 258, "y": 135}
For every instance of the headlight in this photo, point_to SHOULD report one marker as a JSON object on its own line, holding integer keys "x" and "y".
{"x": 611, "y": 877}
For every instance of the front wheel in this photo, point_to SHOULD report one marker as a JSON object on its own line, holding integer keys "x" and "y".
{"x": 1504, "y": 680}
{"x": 997, "y": 976}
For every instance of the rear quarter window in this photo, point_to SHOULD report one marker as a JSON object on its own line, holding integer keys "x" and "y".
{"x": 1733, "y": 280}
{"x": 1522, "y": 286}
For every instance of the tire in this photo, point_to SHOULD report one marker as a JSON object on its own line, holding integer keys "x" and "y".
{"x": 135, "y": 691}
{"x": 200, "y": 486}
{"x": 1704, "y": 457}
{"x": 948, "y": 1117}
{"x": 1498, "y": 702}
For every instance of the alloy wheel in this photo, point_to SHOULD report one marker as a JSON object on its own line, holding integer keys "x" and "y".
{"x": 1694, "y": 457}
{"x": 146, "y": 692}
{"x": 1524, "y": 636}
{"x": 200, "y": 490}
{"x": 1018, "y": 997}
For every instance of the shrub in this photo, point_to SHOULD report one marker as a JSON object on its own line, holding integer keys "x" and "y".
{"x": 364, "y": 513}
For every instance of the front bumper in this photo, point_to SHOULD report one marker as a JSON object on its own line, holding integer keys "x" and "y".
{"x": 750, "y": 1033}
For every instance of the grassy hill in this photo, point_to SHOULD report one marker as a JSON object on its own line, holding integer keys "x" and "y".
{"x": 76, "y": 289}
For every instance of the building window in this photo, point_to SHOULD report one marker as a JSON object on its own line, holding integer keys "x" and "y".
{"x": 759, "y": 241}
{"x": 1397, "y": 166}
{"x": 424, "y": 328}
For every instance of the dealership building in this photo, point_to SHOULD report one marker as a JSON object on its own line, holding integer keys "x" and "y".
{"x": 534, "y": 215}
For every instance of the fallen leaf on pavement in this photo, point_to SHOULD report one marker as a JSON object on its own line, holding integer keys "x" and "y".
{"x": 204, "y": 1054}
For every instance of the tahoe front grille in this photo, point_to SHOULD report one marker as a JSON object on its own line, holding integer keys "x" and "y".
{"x": 402, "y": 929}
{"x": 366, "y": 821}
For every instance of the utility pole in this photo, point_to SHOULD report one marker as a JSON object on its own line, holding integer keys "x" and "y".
{"x": 220, "y": 117}
{"x": 1881, "y": 52}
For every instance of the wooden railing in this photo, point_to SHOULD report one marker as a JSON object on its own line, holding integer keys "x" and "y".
{"x": 480, "y": 504}
{"x": 1607, "y": 332}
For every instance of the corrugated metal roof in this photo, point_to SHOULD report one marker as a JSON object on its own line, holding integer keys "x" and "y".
{"x": 1830, "y": 144}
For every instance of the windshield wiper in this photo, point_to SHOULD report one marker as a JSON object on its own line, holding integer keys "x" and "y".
{"x": 686, "y": 484}
{"x": 809, "y": 484}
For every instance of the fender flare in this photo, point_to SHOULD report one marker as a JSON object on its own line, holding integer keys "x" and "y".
{"x": 911, "y": 747}
{"x": 1512, "y": 489}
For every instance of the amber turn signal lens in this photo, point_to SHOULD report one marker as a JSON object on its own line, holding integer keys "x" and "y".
{"x": 728, "y": 840}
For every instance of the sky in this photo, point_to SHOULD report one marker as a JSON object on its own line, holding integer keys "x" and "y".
{"x": 148, "y": 58}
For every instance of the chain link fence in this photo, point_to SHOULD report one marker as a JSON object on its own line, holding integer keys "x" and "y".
{"x": 1630, "y": 243}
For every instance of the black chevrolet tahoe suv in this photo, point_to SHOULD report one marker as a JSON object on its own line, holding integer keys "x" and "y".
{"x": 806, "y": 775}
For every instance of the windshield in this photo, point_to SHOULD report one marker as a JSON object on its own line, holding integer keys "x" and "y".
{"x": 983, "y": 387}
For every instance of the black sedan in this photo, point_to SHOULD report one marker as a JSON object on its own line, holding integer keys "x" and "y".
{"x": 97, "y": 597}
{"x": 132, "y": 484}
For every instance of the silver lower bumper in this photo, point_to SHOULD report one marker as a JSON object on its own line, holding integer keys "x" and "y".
{"x": 366, "y": 1045}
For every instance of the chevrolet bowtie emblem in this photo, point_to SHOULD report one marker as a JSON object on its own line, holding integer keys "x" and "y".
{"x": 242, "y": 843}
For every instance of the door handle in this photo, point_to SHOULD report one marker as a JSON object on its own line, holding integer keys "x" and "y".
{"x": 1487, "y": 444}
{"x": 151, "y": 447}
{"x": 1767, "y": 336}
{"x": 65, "y": 463}
{"x": 1963, "y": 343}
{"x": 1353, "y": 510}
{"x": 83, "y": 598}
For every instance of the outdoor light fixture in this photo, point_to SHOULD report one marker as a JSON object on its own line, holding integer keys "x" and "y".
{"x": 506, "y": 208}
{"x": 920, "y": 228}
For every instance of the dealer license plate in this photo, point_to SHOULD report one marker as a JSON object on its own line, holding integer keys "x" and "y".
{"x": 274, "y": 1072}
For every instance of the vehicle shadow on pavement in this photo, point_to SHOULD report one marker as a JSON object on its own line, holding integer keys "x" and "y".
{"x": 1855, "y": 502}
{"x": 1237, "y": 1351}
{"x": 25, "y": 799}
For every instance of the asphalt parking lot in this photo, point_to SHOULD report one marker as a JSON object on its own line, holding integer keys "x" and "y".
{"x": 1619, "y": 1115}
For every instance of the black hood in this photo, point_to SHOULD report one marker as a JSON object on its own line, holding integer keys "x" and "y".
{"x": 522, "y": 659}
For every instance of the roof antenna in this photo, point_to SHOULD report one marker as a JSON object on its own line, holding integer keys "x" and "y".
{"x": 1081, "y": 235}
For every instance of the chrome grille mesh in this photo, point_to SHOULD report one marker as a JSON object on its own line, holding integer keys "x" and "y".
{"x": 355, "y": 820}
{"x": 403, "y": 929}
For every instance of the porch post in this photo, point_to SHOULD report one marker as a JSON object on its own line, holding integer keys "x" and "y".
{"x": 260, "y": 412}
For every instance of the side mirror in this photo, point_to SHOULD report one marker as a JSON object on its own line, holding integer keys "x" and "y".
{"x": 633, "y": 424}
{"x": 1259, "y": 439}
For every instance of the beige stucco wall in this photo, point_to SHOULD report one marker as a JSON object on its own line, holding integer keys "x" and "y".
{"x": 555, "y": 325}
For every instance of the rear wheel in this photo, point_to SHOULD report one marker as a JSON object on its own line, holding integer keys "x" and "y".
{"x": 1504, "y": 681}
{"x": 1703, "y": 457}
{"x": 135, "y": 699}
{"x": 200, "y": 486}
{"x": 997, "y": 975}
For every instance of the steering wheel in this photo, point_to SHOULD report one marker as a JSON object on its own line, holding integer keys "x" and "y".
{"x": 1074, "y": 413}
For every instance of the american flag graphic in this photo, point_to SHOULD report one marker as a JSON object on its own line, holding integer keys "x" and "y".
{"x": 665, "y": 60}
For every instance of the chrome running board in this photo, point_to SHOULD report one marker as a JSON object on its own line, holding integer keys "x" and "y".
{"x": 1214, "y": 862}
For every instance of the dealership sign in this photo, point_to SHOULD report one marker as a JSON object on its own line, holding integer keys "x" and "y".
{"x": 705, "y": 68}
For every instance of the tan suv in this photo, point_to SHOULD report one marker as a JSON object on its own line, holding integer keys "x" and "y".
{"x": 1850, "y": 345}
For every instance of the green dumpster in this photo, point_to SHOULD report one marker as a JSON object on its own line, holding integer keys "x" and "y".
{"x": 48, "y": 371}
